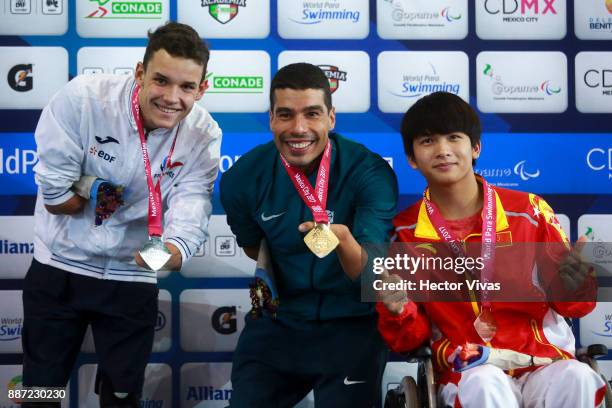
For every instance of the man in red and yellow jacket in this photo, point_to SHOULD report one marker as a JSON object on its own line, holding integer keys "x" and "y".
{"x": 534, "y": 281}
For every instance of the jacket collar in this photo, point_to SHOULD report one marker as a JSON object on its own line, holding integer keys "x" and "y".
{"x": 425, "y": 229}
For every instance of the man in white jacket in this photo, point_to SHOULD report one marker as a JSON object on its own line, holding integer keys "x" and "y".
{"x": 125, "y": 177}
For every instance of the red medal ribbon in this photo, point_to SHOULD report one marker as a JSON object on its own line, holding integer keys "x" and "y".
{"x": 489, "y": 218}
{"x": 315, "y": 198}
{"x": 155, "y": 196}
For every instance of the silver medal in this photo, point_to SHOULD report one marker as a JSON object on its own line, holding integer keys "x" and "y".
{"x": 155, "y": 254}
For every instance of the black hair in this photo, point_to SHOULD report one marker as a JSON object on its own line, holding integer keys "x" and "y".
{"x": 439, "y": 113}
{"x": 301, "y": 76}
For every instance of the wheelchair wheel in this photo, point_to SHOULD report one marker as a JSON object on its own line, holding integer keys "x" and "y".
{"x": 608, "y": 395}
{"x": 406, "y": 395}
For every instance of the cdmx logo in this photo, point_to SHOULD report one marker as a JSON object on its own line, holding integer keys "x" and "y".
{"x": 507, "y": 7}
{"x": 224, "y": 320}
{"x": 334, "y": 75}
{"x": 223, "y": 11}
{"x": 20, "y": 78}
{"x": 609, "y": 6}
{"x": 446, "y": 13}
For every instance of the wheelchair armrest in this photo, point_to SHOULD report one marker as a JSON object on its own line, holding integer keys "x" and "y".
{"x": 592, "y": 351}
{"x": 421, "y": 353}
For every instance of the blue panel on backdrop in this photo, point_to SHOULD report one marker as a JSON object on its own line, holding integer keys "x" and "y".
{"x": 540, "y": 163}
{"x": 17, "y": 158}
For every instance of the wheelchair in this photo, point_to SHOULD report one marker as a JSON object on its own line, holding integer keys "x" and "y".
{"x": 421, "y": 392}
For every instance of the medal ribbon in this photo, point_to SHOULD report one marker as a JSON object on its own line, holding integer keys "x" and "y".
{"x": 489, "y": 218}
{"x": 315, "y": 198}
{"x": 155, "y": 196}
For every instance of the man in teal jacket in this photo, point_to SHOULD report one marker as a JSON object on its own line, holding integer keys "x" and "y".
{"x": 309, "y": 182}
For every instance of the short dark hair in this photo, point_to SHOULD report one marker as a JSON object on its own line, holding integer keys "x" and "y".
{"x": 179, "y": 40}
{"x": 439, "y": 113}
{"x": 301, "y": 76}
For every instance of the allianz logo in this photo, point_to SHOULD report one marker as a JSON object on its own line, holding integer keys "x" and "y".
{"x": 149, "y": 403}
{"x": 17, "y": 161}
{"x": 8, "y": 247}
{"x": 10, "y": 328}
{"x": 208, "y": 393}
{"x": 520, "y": 169}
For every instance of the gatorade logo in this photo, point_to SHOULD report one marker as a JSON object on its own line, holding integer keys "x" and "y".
{"x": 224, "y": 320}
{"x": 20, "y": 78}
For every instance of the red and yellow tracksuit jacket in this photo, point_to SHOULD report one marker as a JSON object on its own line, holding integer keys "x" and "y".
{"x": 537, "y": 328}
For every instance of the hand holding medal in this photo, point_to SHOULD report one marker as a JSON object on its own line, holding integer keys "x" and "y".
{"x": 320, "y": 239}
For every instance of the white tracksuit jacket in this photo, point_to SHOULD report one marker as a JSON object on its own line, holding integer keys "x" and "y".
{"x": 88, "y": 129}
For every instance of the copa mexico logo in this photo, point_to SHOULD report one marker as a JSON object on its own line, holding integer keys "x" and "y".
{"x": 133, "y": 10}
{"x": 223, "y": 11}
{"x": 505, "y": 176}
{"x": 400, "y": 14}
{"x": 501, "y": 89}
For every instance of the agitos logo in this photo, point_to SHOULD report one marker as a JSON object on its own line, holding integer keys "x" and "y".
{"x": 334, "y": 75}
{"x": 20, "y": 78}
{"x": 223, "y": 11}
{"x": 224, "y": 320}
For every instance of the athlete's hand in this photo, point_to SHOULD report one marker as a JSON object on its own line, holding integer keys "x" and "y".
{"x": 394, "y": 300}
{"x": 461, "y": 356}
{"x": 173, "y": 264}
{"x": 341, "y": 231}
{"x": 351, "y": 255}
{"x": 574, "y": 270}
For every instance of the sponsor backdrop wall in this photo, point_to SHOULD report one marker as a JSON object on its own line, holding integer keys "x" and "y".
{"x": 538, "y": 71}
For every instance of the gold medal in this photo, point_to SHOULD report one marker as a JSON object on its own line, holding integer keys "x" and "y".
{"x": 321, "y": 240}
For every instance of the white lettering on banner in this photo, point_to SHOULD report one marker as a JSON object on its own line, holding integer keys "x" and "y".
{"x": 226, "y": 162}
{"x": 20, "y": 162}
{"x": 8, "y": 247}
{"x": 208, "y": 393}
{"x": 599, "y": 152}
